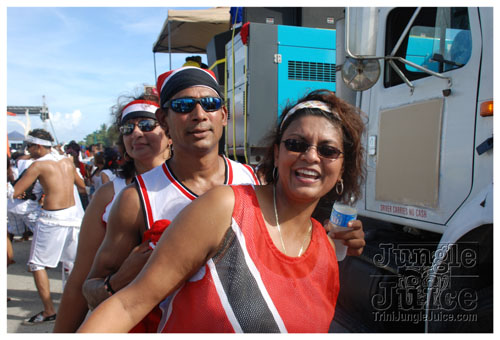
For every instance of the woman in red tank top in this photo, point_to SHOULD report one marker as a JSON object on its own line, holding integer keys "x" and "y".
{"x": 251, "y": 259}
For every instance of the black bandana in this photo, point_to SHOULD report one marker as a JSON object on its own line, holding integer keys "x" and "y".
{"x": 171, "y": 82}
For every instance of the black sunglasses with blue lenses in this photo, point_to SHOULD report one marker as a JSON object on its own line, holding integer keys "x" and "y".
{"x": 145, "y": 125}
{"x": 325, "y": 151}
{"x": 186, "y": 105}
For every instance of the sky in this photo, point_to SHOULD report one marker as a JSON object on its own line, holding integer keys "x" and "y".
{"x": 81, "y": 59}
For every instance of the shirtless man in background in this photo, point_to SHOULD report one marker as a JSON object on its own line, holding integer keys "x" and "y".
{"x": 56, "y": 232}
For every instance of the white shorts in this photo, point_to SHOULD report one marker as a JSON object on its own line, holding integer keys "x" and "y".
{"x": 18, "y": 224}
{"x": 55, "y": 238}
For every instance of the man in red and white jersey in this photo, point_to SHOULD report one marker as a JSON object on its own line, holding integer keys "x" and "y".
{"x": 193, "y": 114}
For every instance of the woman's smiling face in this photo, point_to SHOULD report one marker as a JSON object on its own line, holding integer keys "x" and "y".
{"x": 143, "y": 146}
{"x": 307, "y": 176}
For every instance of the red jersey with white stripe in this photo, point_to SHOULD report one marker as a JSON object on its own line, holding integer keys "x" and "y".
{"x": 163, "y": 197}
{"x": 251, "y": 286}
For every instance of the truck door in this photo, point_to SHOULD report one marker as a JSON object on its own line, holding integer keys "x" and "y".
{"x": 421, "y": 140}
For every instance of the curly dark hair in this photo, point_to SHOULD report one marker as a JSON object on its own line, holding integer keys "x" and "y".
{"x": 110, "y": 158}
{"x": 73, "y": 145}
{"x": 127, "y": 167}
{"x": 352, "y": 127}
{"x": 123, "y": 100}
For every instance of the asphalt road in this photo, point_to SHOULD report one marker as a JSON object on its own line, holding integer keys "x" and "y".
{"x": 25, "y": 301}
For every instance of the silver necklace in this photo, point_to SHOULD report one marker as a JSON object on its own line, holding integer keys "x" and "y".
{"x": 279, "y": 229}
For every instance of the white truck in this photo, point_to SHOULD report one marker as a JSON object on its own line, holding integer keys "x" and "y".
{"x": 424, "y": 79}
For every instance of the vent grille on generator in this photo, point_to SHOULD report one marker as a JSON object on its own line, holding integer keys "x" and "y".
{"x": 311, "y": 71}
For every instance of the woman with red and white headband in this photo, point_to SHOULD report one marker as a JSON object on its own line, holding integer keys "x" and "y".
{"x": 145, "y": 146}
{"x": 246, "y": 258}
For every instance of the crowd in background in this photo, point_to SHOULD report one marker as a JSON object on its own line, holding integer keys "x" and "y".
{"x": 96, "y": 163}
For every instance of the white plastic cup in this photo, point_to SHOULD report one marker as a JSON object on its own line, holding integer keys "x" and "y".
{"x": 340, "y": 217}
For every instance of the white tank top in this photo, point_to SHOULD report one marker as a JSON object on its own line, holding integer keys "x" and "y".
{"x": 163, "y": 196}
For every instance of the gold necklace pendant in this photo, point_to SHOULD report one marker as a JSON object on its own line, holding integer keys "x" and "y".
{"x": 276, "y": 217}
{"x": 309, "y": 231}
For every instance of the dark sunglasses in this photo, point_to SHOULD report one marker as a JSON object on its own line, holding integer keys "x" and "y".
{"x": 29, "y": 145}
{"x": 145, "y": 125}
{"x": 325, "y": 151}
{"x": 186, "y": 105}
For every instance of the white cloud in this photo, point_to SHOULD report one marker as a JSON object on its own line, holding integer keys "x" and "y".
{"x": 81, "y": 58}
{"x": 55, "y": 117}
{"x": 75, "y": 117}
{"x": 67, "y": 120}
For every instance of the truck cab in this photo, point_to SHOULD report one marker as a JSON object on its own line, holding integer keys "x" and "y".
{"x": 423, "y": 78}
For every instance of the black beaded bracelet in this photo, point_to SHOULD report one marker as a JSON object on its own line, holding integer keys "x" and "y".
{"x": 107, "y": 285}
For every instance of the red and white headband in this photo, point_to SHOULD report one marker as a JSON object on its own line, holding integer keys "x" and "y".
{"x": 310, "y": 104}
{"x": 139, "y": 108}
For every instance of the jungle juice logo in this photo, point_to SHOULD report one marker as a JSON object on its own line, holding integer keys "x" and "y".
{"x": 404, "y": 298}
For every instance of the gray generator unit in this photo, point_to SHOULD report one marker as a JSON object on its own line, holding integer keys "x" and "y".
{"x": 277, "y": 65}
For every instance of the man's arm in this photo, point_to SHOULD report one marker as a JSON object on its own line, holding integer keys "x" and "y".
{"x": 27, "y": 179}
{"x": 191, "y": 239}
{"x": 10, "y": 175}
{"x": 80, "y": 183}
{"x": 123, "y": 233}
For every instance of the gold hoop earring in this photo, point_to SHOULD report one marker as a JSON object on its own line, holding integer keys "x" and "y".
{"x": 126, "y": 157}
{"x": 341, "y": 182}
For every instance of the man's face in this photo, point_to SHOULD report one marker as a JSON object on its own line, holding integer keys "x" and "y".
{"x": 33, "y": 150}
{"x": 198, "y": 130}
